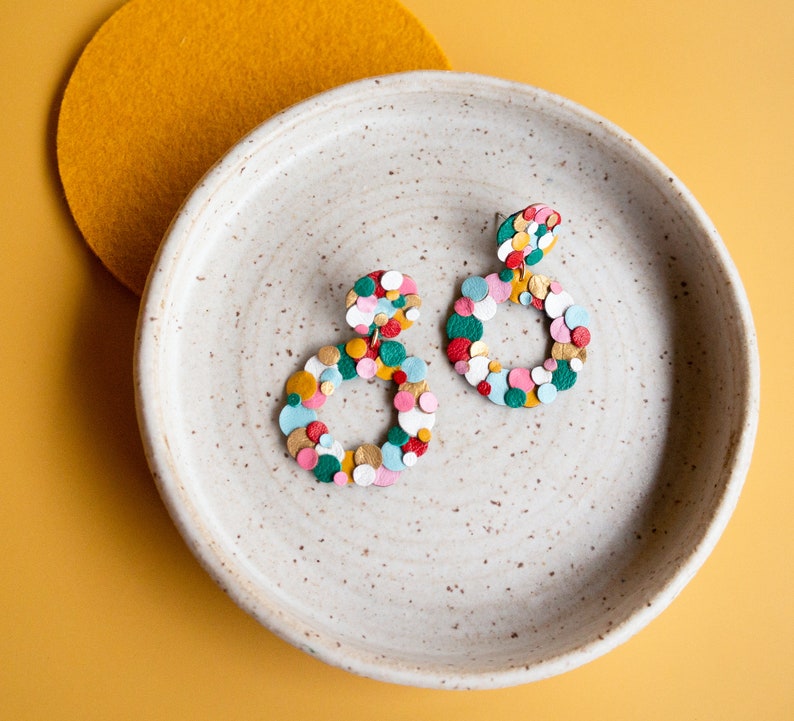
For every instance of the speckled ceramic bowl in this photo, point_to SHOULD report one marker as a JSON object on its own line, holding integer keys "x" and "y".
{"x": 525, "y": 542}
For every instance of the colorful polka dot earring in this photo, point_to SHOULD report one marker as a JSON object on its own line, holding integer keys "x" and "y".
{"x": 522, "y": 240}
{"x": 380, "y": 306}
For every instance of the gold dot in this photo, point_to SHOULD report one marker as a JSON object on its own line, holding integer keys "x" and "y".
{"x": 539, "y": 286}
{"x": 327, "y": 388}
{"x": 368, "y": 455}
{"x": 381, "y": 319}
{"x": 298, "y": 440}
{"x": 520, "y": 241}
{"x": 520, "y": 223}
{"x": 329, "y": 355}
{"x": 350, "y": 298}
{"x": 478, "y": 348}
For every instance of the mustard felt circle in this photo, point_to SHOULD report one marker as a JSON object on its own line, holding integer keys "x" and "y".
{"x": 164, "y": 88}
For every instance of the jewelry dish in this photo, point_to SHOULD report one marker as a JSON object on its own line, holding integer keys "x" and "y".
{"x": 527, "y": 541}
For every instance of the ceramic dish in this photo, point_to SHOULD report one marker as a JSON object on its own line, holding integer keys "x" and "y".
{"x": 527, "y": 541}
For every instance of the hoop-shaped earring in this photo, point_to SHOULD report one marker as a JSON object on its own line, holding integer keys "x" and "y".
{"x": 380, "y": 306}
{"x": 522, "y": 240}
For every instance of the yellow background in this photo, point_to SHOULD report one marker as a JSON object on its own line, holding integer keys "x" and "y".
{"x": 104, "y": 614}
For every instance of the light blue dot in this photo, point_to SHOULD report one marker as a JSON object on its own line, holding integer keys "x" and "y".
{"x": 475, "y": 288}
{"x": 547, "y": 392}
{"x": 576, "y": 316}
{"x": 415, "y": 369}
{"x": 392, "y": 457}
{"x": 498, "y": 383}
{"x": 326, "y": 440}
{"x": 385, "y": 306}
{"x": 525, "y": 298}
{"x": 292, "y": 417}
{"x": 332, "y": 375}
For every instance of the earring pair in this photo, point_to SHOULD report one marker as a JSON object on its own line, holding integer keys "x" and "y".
{"x": 384, "y": 304}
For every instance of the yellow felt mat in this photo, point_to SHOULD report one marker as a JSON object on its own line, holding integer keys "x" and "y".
{"x": 165, "y": 88}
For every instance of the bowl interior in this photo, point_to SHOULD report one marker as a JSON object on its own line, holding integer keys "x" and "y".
{"x": 525, "y": 541}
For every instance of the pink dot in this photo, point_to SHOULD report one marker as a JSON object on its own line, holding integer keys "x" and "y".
{"x": 385, "y": 477}
{"x": 367, "y": 303}
{"x": 316, "y": 400}
{"x": 340, "y": 478}
{"x": 362, "y": 329}
{"x": 555, "y": 287}
{"x": 520, "y": 378}
{"x": 428, "y": 402}
{"x": 408, "y": 286}
{"x": 559, "y": 331}
{"x": 404, "y": 401}
{"x": 464, "y": 306}
{"x": 497, "y": 288}
{"x": 550, "y": 364}
{"x": 366, "y": 368}
{"x": 462, "y": 367}
{"x": 307, "y": 458}
{"x": 542, "y": 213}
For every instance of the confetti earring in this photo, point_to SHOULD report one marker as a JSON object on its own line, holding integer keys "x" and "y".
{"x": 380, "y": 306}
{"x": 522, "y": 240}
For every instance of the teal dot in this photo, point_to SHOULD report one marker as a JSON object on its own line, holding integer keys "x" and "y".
{"x": 515, "y": 397}
{"x": 541, "y": 230}
{"x": 364, "y": 286}
{"x": 326, "y": 466}
{"x": 506, "y": 275}
{"x": 397, "y": 436}
{"x": 459, "y": 326}
{"x": 392, "y": 353}
{"x": 475, "y": 288}
{"x": 345, "y": 365}
{"x": 293, "y": 399}
{"x": 399, "y": 301}
{"x": 506, "y": 230}
{"x": 563, "y": 378}
{"x": 534, "y": 257}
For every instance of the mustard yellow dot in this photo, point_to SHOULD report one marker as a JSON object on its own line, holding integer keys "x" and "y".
{"x": 532, "y": 400}
{"x": 384, "y": 372}
{"x": 520, "y": 241}
{"x": 392, "y": 294}
{"x": 348, "y": 463}
{"x": 303, "y": 383}
{"x": 424, "y": 435}
{"x": 356, "y": 348}
{"x": 495, "y": 366}
{"x": 399, "y": 316}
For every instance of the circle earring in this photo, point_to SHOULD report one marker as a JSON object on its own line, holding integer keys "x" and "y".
{"x": 522, "y": 240}
{"x": 380, "y": 306}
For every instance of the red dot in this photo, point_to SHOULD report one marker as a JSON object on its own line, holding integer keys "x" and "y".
{"x": 315, "y": 429}
{"x": 580, "y": 336}
{"x": 414, "y": 445}
{"x": 529, "y": 212}
{"x": 484, "y": 388}
{"x": 399, "y": 377}
{"x": 514, "y": 259}
{"x": 537, "y": 303}
{"x": 391, "y": 329}
{"x": 458, "y": 349}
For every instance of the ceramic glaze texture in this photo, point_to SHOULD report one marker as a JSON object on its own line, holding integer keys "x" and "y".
{"x": 525, "y": 543}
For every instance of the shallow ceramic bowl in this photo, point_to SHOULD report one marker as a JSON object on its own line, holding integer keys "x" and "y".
{"x": 525, "y": 542}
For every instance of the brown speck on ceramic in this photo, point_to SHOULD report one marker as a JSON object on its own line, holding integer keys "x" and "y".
{"x": 592, "y": 515}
